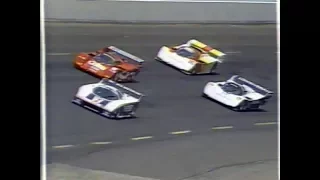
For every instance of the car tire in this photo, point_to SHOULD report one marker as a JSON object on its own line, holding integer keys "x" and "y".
{"x": 157, "y": 58}
{"x": 213, "y": 69}
{"x": 241, "y": 107}
{"x": 192, "y": 72}
{"x": 137, "y": 72}
{"x": 116, "y": 116}
{"x": 185, "y": 72}
{"x": 116, "y": 77}
{"x": 79, "y": 101}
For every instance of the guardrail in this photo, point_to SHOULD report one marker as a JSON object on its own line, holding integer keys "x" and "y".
{"x": 148, "y": 11}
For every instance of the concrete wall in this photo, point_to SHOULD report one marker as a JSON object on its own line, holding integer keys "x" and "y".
{"x": 187, "y": 12}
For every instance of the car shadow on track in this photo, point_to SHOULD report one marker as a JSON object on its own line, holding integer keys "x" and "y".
{"x": 99, "y": 78}
{"x": 229, "y": 108}
{"x": 107, "y": 118}
{"x": 186, "y": 73}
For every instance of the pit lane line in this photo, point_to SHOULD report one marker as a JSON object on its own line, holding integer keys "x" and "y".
{"x": 174, "y": 133}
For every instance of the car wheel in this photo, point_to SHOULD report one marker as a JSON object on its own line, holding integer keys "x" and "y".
{"x": 241, "y": 107}
{"x": 137, "y": 72}
{"x": 157, "y": 58}
{"x": 116, "y": 116}
{"x": 185, "y": 72}
{"x": 214, "y": 67}
{"x": 77, "y": 101}
{"x": 192, "y": 72}
{"x": 116, "y": 77}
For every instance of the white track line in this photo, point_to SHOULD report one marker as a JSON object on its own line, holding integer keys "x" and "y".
{"x": 141, "y": 138}
{"x": 278, "y": 58}
{"x": 43, "y": 94}
{"x": 222, "y": 127}
{"x": 101, "y": 143}
{"x": 59, "y": 54}
{"x": 265, "y": 123}
{"x": 62, "y": 146}
{"x": 233, "y": 52}
{"x": 180, "y": 132}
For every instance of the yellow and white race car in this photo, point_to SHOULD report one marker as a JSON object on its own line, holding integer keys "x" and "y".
{"x": 193, "y": 57}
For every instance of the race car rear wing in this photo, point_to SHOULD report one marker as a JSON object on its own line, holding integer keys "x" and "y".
{"x": 203, "y": 47}
{"x": 242, "y": 81}
{"x": 125, "y": 54}
{"x": 122, "y": 88}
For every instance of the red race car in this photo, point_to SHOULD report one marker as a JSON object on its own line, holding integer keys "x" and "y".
{"x": 111, "y": 63}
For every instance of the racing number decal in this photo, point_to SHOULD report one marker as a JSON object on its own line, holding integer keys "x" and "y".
{"x": 97, "y": 65}
{"x": 91, "y": 63}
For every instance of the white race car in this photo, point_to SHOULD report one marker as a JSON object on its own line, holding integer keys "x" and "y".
{"x": 237, "y": 93}
{"x": 109, "y": 99}
{"x": 193, "y": 57}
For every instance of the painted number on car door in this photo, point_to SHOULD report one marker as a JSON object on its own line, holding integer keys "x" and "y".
{"x": 97, "y": 65}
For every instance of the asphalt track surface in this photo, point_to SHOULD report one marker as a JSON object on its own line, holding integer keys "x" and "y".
{"x": 172, "y": 103}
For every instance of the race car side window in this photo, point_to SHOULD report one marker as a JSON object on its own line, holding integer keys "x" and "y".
{"x": 106, "y": 93}
{"x": 116, "y": 62}
{"x": 185, "y": 53}
{"x": 232, "y": 89}
{"x": 103, "y": 58}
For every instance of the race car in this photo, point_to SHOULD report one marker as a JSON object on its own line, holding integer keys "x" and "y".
{"x": 109, "y": 99}
{"x": 110, "y": 62}
{"x": 191, "y": 58}
{"x": 238, "y": 93}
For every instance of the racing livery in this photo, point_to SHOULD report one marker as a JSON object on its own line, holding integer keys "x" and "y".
{"x": 193, "y": 57}
{"x": 237, "y": 93}
{"x": 109, "y": 99}
{"x": 110, "y": 62}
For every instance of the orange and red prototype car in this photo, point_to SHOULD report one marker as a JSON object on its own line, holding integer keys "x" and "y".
{"x": 111, "y": 63}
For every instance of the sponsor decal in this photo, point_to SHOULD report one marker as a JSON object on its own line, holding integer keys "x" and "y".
{"x": 96, "y": 65}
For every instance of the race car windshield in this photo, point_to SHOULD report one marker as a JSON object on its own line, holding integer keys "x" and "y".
{"x": 185, "y": 53}
{"x": 102, "y": 58}
{"x": 233, "y": 89}
{"x": 106, "y": 93}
